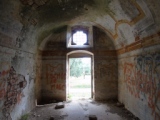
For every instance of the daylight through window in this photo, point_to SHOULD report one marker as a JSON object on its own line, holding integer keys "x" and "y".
{"x": 79, "y": 38}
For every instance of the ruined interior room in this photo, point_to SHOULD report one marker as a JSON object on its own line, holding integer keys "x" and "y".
{"x": 41, "y": 42}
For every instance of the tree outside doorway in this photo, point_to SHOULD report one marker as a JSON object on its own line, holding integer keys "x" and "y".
{"x": 79, "y": 78}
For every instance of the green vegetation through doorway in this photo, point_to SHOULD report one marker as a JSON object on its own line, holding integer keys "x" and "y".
{"x": 79, "y": 78}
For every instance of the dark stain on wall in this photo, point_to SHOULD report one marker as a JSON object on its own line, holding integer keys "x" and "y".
{"x": 60, "y": 29}
{"x": 22, "y": 36}
{"x": 68, "y": 10}
{"x": 46, "y": 11}
{"x": 101, "y": 40}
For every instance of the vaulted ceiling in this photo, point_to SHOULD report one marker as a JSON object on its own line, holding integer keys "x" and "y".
{"x": 124, "y": 21}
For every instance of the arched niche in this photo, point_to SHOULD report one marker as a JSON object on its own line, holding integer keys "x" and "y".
{"x": 53, "y": 55}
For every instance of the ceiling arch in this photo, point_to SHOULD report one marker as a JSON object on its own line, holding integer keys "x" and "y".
{"x": 125, "y": 22}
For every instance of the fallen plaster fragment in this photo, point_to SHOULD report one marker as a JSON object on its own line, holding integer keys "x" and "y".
{"x": 92, "y": 117}
{"x": 59, "y": 105}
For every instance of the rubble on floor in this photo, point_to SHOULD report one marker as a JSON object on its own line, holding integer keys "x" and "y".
{"x": 59, "y": 105}
{"x": 92, "y": 117}
{"x": 82, "y": 110}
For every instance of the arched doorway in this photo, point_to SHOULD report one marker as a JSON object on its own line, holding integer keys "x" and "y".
{"x": 80, "y": 72}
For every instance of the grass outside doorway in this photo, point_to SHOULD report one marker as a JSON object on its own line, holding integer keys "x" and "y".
{"x": 80, "y": 84}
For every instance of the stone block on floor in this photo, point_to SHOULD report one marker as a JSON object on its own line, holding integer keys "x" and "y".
{"x": 92, "y": 117}
{"x": 51, "y": 118}
{"x": 59, "y": 105}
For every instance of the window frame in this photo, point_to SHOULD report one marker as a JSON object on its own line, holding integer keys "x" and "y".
{"x": 73, "y": 29}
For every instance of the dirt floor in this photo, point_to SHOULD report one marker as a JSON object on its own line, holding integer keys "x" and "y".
{"x": 84, "y": 109}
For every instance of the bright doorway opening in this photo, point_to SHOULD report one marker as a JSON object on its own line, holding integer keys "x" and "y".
{"x": 80, "y": 74}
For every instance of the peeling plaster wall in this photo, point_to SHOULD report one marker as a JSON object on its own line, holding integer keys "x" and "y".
{"x": 139, "y": 82}
{"x": 16, "y": 83}
{"x": 53, "y": 69}
{"x": 17, "y": 61}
